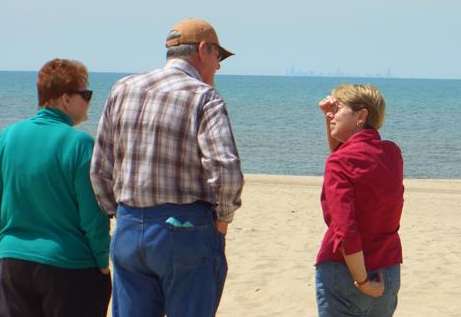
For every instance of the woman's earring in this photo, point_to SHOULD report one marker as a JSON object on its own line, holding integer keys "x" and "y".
{"x": 360, "y": 124}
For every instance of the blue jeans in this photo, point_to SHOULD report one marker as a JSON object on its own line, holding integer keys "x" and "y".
{"x": 337, "y": 296}
{"x": 168, "y": 259}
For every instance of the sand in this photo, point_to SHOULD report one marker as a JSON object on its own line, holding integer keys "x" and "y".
{"x": 272, "y": 243}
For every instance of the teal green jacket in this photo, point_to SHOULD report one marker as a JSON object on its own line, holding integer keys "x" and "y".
{"x": 48, "y": 211}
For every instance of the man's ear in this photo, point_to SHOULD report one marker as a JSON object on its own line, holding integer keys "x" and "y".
{"x": 202, "y": 50}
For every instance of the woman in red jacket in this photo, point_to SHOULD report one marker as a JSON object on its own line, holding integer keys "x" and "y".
{"x": 358, "y": 264}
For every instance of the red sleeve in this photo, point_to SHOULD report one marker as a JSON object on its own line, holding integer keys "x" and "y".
{"x": 340, "y": 198}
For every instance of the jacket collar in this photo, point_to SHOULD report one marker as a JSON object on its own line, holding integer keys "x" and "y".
{"x": 54, "y": 114}
{"x": 361, "y": 136}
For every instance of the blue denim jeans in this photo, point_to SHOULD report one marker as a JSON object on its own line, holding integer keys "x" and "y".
{"x": 337, "y": 296}
{"x": 167, "y": 259}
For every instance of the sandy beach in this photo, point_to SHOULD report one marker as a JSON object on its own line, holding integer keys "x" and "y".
{"x": 272, "y": 243}
{"x": 274, "y": 238}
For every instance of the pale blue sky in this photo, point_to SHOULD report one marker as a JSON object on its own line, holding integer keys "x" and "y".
{"x": 409, "y": 38}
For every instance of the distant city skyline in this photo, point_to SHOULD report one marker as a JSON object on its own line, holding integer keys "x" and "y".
{"x": 294, "y": 71}
{"x": 412, "y": 38}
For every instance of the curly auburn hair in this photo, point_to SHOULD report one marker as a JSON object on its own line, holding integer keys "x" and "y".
{"x": 58, "y": 77}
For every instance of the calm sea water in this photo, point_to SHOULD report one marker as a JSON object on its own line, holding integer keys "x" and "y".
{"x": 279, "y": 129}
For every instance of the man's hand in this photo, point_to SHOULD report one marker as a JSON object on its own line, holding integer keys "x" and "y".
{"x": 221, "y": 226}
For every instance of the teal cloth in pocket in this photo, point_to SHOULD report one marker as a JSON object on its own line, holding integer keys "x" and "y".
{"x": 176, "y": 223}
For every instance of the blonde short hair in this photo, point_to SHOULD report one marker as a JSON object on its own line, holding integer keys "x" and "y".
{"x": 363, "y": 97}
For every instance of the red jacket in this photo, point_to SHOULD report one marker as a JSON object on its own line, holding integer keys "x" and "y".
{"x": 362, "y": 200}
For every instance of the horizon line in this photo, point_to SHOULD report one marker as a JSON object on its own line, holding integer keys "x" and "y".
{"x": 274, "y": 75}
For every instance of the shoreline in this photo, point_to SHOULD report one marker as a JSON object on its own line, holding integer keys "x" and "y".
{"x": 311, "y": 180}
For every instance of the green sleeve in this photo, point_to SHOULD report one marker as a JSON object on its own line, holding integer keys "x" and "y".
{"x": 1, "y": 184}
{"x": 1, "y": 174}
{"x": 93, "y": 221}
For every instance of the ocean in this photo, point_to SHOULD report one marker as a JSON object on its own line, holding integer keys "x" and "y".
{"x": 279, "y": 129}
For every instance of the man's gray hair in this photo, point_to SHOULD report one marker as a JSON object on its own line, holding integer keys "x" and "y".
{"x": 184, "y": 51}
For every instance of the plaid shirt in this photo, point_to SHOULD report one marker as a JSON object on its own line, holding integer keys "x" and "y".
{"x": 165, "y": 137}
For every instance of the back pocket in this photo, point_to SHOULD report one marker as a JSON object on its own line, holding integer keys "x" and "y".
{"x": 192, "y": 246}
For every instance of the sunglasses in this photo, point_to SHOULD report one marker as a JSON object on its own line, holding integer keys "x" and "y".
{"x": 218, "y": 49}
{"x": 85, "y": 94}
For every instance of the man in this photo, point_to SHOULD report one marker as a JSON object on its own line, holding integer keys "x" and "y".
{"x": 166, "y": 163}
{"x": 54, "y": 239}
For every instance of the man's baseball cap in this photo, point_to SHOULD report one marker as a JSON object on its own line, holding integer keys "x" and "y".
{"x": 193, "y": 31}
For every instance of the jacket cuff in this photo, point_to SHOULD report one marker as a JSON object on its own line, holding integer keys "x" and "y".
{"x": 351, "y": 244}
{"x": 102, "y": 260}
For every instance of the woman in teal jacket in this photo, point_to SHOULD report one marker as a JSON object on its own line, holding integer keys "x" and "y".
{"x": 54, "y": 238}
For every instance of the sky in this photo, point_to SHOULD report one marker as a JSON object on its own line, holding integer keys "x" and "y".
{"x": 398, "y": 38}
